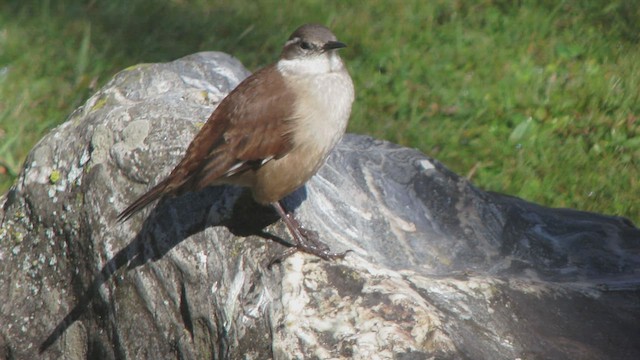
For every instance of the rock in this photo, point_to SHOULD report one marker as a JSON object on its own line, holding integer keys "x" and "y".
{"x": 438, "y": 268}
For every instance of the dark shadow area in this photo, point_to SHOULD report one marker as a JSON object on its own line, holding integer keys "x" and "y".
{"x": 568, "y": 244}
{"x": 194, "y": 212}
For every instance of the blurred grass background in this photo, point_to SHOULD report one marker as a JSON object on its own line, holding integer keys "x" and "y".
{"x": 538, "y": 99}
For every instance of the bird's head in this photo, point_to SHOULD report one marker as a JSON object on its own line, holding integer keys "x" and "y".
{"x": 311, "y": 49}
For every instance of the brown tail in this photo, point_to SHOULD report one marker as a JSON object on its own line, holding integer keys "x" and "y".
{"x": 157, "y": 192}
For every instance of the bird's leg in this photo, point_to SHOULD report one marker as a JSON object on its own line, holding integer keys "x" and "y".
{"x": 305, "y": 240}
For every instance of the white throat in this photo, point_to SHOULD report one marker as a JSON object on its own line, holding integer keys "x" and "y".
{"x": 318, "y": 64}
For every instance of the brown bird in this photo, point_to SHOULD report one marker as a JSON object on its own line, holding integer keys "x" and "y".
{"x": 272, "y": 132}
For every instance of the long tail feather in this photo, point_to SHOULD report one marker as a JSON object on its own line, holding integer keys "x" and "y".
{"x": 155, "y": 193}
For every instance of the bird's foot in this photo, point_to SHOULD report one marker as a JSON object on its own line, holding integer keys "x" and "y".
{"x": 305, "y": 240}
{"x": 309, "y": 243}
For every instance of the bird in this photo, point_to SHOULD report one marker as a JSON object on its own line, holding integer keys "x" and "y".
{"x": 271, "y": 133}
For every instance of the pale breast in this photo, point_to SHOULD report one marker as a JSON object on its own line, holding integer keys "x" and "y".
{"x": 322, "y": 114}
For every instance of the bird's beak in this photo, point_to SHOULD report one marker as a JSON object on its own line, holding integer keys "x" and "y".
{"x": 333, "y": 45}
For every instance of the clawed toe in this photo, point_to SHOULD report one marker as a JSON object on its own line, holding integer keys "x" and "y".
{"x": 305, "y": 240}
{"x": 324, "y": 254}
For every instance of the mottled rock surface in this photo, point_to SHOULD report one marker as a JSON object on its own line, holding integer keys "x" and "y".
{"x": 439, "y": 269}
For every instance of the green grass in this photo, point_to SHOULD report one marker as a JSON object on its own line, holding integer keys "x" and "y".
{"x": 538, "y": 99}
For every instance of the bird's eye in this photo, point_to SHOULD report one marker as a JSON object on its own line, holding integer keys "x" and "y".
{"x": 305, "y": 45}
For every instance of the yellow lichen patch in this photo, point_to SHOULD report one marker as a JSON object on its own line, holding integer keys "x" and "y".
{"x": 54, "y": 177}
{"x": 99, "y": 104}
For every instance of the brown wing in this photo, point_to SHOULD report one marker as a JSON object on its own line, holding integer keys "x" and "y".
{"x": 249, "y": 127}
{"x": 258, "y": 124}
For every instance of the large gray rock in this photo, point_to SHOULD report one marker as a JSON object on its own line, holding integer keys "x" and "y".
{"x": 439, "y": 269}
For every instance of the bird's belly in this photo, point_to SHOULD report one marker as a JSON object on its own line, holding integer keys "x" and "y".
{"x": 278, "y": 178}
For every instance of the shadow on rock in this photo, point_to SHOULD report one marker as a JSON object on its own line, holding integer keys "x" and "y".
{"x": 172, "y": 221}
